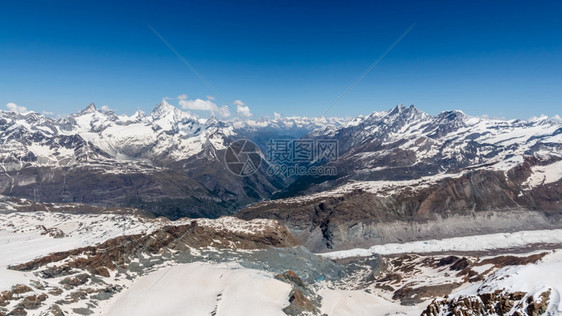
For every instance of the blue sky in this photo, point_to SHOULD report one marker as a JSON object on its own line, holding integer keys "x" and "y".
{"x": 501, "y": 59}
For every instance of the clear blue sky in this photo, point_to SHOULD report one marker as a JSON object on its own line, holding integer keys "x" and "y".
{"x": 503, "y": 59}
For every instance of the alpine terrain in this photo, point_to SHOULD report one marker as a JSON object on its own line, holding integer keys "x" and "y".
{"x": 447, "y": 214}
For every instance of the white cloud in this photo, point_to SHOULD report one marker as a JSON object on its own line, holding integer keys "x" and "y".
{"x": 182, "y": 96}
{"x": 538, "y": 118}
{"x": 106, "y": 108}
{"x": 556, "y": 118}
{"x": 199, "y": 104}
{"x": 242, "y": 109}
{"x": 277, "y": 116}
{"x": 223, "y": 111}
{"x": 210, "y": 97}
{"x": 204, "y": 105}
{"x": 16, "y": 108}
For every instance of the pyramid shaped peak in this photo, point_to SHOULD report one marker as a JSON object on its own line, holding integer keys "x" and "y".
{"x": 164, "y": 108}
{"x": 89, "y": 109}
{"x": 397, "y": 109}
{"x": 164, "y": 105}
{"x": 453, "y": 114}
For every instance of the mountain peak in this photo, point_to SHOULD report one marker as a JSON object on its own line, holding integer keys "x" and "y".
{"x": 89, "y": 109}
{"x": 402, "y": 113}
{"x": 163, "y": 108}
{"x": 454, "y": 115}
{"x": 397, "y": 109}
{"x": 212, "y": 121}
{"x": 400, "y": 108}
{"x": 139, "y": 114}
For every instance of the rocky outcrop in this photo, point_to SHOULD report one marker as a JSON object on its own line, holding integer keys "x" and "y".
{"x": 498, "y": 302}
{"x": 415, "y": 295}
{"x": 31, "y": 302}
{"x": 118, "y": 252}
{"x": 490, "y": 298}
{"x": 411, "y": 279}
{"x": 89, "y": 273}
{"x": 302, "y": 299}
{"x": 477, "y": 202}
{"x": 52, "y": 232}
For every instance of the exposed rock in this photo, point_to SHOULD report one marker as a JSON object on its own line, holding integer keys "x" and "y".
{"x": 538, "y": 307}
{"x": 460, "y": 264}
{"x": 291, "y": 278}
{"x": 479, "y": 201}
{"x": 302, "y": 299}
{"x": 37, "y": 284}
{"x": 498, "y": 302}
{"x": 415, "y": 295}
{"x": 56, "y": 310}
{"x": 82, "y": 311}
{"x": 117, "y": 252}
{"x": 55, "y": 272}
{"x": 486, "y": 301}
{"x": 74, "y": 281}
{"x": 32, "y": 301}
{"x": 299, "y": 304}
{"x": 102, "y": 271}
{"x": 447, "y": 261}
{"x": 21, "y": 288}
{"x": 502, "y": 261}
{"x": 55, "y": 291}
{"x": 18, "y": 311}
{"x": 107, "y": 292}
{"x": 5, "y": 297}
{"x": 52, "y": 232}
{"x": 77, "y": 295}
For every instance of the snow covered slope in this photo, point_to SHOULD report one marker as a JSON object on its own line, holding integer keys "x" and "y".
{"x": 486, "y": 242}
{"x": 202, "y": 289}
{"x": 127, "y": 264}
{"x": 532, "y": 289}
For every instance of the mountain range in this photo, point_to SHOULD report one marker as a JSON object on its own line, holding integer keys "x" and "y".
{"x": 430, "y": 215}
{"x": 171, "y": 162}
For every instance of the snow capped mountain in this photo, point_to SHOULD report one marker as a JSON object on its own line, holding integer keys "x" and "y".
{"x": 404, "y": 175}
{"x": 87, "y": 185}
{"x": 173, "y": 154}
{"x": 166, "y": 134}
{"x": 170, "y": 134}
{"x": 168, "y": 154}
{"x": 407, "y": 137}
